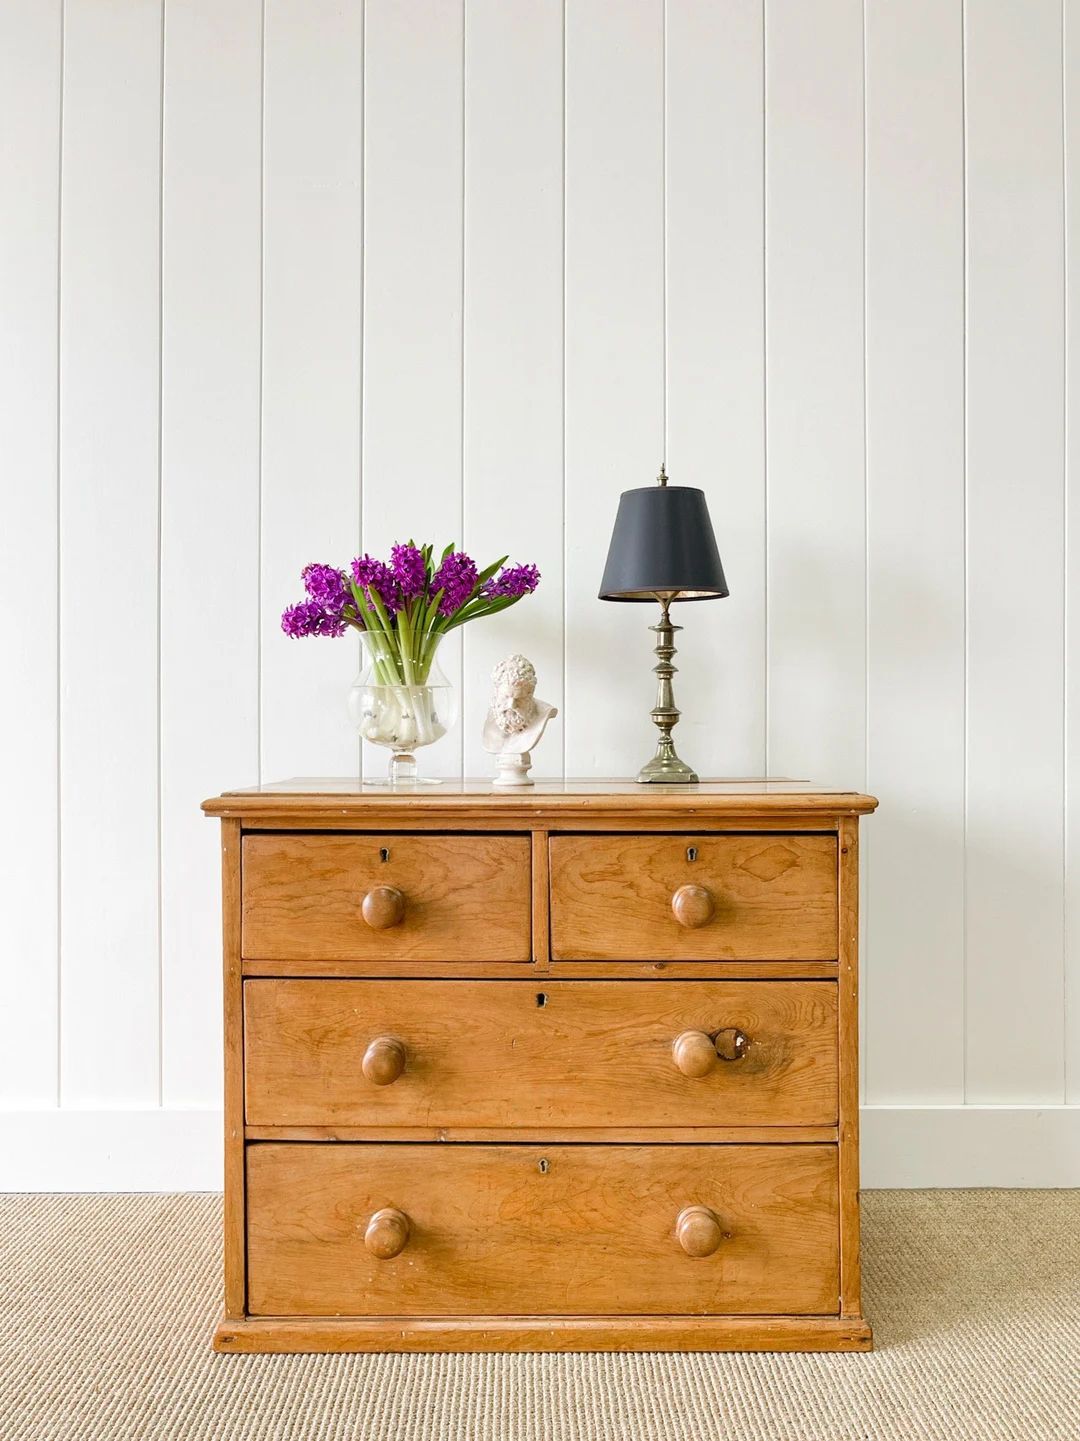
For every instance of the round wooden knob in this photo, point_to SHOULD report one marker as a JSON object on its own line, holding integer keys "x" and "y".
{"x": 693, "y": 906}
{"x": 382, "y": 907}
{"x": 694, "y": 1054}
{"x": 699, "y": 1231}
{"x": 387, "y": 1233}
{"x": 384, "y": 1060}
{"x": 731, "y": 1043}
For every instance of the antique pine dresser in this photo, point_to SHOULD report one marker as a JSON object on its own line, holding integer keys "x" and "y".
{"x": 566, "y": 1068}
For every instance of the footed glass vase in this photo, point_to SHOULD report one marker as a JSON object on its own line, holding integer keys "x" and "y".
{"x": 402, "y": 702}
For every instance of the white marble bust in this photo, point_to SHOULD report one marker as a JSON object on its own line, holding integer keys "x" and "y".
{"x": 515, "y": 720}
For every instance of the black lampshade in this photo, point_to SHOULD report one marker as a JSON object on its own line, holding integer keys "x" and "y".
{"x": 663, "y": 542}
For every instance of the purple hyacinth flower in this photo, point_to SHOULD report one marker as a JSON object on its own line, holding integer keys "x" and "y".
{"x": 310, "y": 618}
{"x": 409, "y": 570}
{"x": 513, "y": 580}
{"x": 325, "y": 585}
{"x": 457, "y": 577}
{"x": 375, "y": 577}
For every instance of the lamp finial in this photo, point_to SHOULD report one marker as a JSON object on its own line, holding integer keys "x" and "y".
{"x": 661, "y": 479}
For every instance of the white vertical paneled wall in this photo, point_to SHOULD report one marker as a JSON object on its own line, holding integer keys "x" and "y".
{"x": 915, "y": 549}
{"x": 108, "y": 538}
{"x": 287, "y": 280}
{"x": 210, "y": 312}
{"x": 1015, "y": 555}
{"x": 30, "y": 108}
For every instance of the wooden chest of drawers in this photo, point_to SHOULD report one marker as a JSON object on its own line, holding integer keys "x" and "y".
{"x": 569, "y": 1068}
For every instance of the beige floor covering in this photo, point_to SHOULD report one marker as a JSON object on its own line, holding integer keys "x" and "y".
{"x": 108, "y": 1303}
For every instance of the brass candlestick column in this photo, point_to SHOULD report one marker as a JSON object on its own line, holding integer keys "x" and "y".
{"x": 662, "y": 550}
{"x": 665, "y": 764}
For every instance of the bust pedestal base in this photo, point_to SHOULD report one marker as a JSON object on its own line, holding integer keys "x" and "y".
{"x": 513, "y": 770}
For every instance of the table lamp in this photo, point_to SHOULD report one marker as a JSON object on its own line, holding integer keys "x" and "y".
{"x": 663, "y": 549}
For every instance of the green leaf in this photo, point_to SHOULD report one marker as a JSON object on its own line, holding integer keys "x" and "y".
{"x": 486, "y": 606}
{"x": 433, "y": 609}
{"x": 486, "y": 575}
{"x": 448, "y": 551}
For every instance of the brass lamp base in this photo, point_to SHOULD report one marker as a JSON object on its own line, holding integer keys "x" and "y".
{"x": 665, "y": 768}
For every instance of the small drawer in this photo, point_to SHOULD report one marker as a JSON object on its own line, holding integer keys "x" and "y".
{"x": 694, "y": 898}
{"x": 540, "y": 1053}
{"x": 387, "y": 897}
{"x": 433, "y": 1230}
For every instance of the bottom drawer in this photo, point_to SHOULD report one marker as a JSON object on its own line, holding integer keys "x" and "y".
{"x": 541, "y": 1230}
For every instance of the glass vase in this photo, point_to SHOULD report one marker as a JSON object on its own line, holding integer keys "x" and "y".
{"x": 402, "y": 703}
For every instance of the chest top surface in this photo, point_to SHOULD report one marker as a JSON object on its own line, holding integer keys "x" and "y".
{"x": 342, "y": 799}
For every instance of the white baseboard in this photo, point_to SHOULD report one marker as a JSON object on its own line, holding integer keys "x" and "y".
{"x": 970, "y": 1146}
{"x": 132, "y": 1150}
{"x": 180, "y": 1150}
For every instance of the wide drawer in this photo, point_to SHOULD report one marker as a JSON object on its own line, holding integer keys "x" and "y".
{"x": 531, "y": 1230}
{"x": 387, "y": 897}
{"x": 572, "y": 1054}
{"x": 693, "y": 898}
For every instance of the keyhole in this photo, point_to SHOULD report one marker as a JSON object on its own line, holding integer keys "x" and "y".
{"x": 384, "y": 854}
{"x": 541, "y": 998}
{"x": 544, "y": 1166}
{"x": 691, "y": 853}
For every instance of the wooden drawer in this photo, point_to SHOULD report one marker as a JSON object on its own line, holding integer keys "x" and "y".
{"x": 693, "y": 898}
{"x": 531, "y": 1230}
{"x": 387, "y": 897}
{"x": 574, "y": 1054}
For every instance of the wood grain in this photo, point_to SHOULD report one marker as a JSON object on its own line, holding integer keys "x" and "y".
{"x": 524, "y": 1130}
{"x": 568, "y": 970}
{"x": 558, "y": 1230}
{"x": 667, "y": 1135}
{"x": 772, "y": 896}
{"x": 848, "y": 1041}
{"x": 465, "y": 898}
{"x": 540, "y": 1333}
{"x": 549, "y": 1053}
{"x": 477, "y": 803}
{"x": 468, "y": 818}
{"x": 541, "y": 899}
{"x": 235, "y": 1233}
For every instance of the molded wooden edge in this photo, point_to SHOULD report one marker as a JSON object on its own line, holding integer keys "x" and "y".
{"x": 545, "y": 1333}
{"x": 235, "y": 1241}
{"x": 848, "y": 1050}
{"x": 569, "y": 1135}
{"x": 613, "y": 823}
{"x": 491, "y": 809}
{"x": 526, "y": 971}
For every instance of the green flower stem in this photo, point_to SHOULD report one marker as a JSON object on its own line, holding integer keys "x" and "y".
{"x": 382, "y": 662}
{"x": 392, "y": 640}
{"x": 405, "y": 641}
